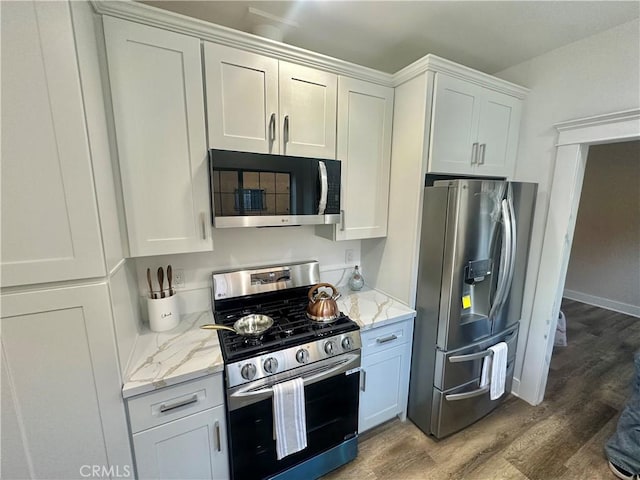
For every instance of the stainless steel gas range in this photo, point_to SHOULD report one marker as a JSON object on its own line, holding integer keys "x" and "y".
{"x": 325, "y": 355}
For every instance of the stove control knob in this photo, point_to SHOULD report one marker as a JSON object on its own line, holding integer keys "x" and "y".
{"x": 347, "y": 343}
{"x": 302, "y": 355}
{"x": 248, "y": 371}
{"x": 329, "y": 347}
{"x": 271, "y": 365}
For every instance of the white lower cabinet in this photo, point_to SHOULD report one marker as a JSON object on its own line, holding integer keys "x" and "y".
{"x": 62, "y": 413}
{"x": 191, "y": 447}
{"x": 384, "y": 377}
{"x": 178, "y": 433}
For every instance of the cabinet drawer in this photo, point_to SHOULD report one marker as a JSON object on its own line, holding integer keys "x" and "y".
{"x": 161, "y": 406}
{"x": 385, "y": 337}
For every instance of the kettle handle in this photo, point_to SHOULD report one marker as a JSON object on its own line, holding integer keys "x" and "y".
{"x": 320, "y": 285}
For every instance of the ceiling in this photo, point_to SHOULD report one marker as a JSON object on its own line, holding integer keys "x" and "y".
{"x": 388, "y": 35}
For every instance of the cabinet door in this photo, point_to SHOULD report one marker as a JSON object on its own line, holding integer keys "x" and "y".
{"x": 50, "y": 227}
{"x": 191, "y": 447}
{"x": 365, "y": 113}
{"x": 307, "y": 111}
{"x": 454, "y": 125}
{"x": 380, "y": 395}
{"x": 158, "y": 106}
{"x": 61, "y": 384}
{"x": 242, "y": 99}
{"x": 498, "y": 134}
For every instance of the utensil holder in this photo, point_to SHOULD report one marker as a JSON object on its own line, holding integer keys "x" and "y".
{"x": 164, "y": 313}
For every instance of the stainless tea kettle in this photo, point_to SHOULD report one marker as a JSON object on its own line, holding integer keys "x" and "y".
{"x": 322, "y": 306}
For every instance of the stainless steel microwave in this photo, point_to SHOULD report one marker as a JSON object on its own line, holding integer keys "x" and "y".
{"x": 264, "y": 190}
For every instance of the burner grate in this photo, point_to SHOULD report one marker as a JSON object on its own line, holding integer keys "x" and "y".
{"x": 291, "y": 327}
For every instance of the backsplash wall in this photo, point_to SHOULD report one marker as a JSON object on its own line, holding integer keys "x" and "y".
{"x": 248, "y": 247}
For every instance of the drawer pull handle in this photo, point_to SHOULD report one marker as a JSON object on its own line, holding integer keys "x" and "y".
{"x": 452, "y": 397}
{"x": 470, "y": 357}
{"x": 183, "y": 403}
{"x": 386, "y": 339}
{"x": 217, "y": 430}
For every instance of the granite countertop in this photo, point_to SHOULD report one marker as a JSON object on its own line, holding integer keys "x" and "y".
{"x": 161, "y": 359}
{"x": 371, "y": 308}
{"x": 166, "y": 358}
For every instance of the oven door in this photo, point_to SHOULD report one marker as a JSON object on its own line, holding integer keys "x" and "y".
{"x": 331, "y": 403}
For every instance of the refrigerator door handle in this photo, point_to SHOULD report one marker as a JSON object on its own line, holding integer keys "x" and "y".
{"x": 452, "y": 397}
{"x": 470, "y": 357}
{"x": 505, "y": 259}
{"x": 514, "y": 238}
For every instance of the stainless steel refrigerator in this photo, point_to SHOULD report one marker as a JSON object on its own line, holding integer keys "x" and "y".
{"x": 473, "y": 255}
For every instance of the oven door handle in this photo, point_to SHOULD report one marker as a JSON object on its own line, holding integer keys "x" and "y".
{"x": 308, "y": 378}
{"x": 248, "y": 394}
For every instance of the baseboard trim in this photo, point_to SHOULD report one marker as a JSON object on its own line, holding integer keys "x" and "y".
{"x": 609, "y": 304}
{"x": 515, "y": 387}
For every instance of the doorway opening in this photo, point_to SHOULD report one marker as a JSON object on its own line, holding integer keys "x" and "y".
{"x": 574, "y": 139}
{"x": 604, "y": 266}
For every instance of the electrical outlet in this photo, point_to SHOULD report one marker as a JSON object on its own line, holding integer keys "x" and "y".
{"x": 178, "y": 278}
{"x": 348, "y": 256}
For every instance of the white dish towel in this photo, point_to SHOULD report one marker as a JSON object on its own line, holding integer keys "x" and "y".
{"x": 494, "y": 370}
{"x": 289, "y": 417}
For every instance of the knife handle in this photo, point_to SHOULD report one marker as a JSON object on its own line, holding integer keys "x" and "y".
{"x": 161, "y": 281}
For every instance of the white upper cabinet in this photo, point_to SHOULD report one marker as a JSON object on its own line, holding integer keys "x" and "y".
{"x": 259, "y": 104}
{"x": 158, "y": 106}
{"x": 50, "y": 228}
{"x": 498, "y": 132}
{"x": 365, "y": 113}
{"x": 474, "y": 130}
{"x": 242, "y": 99}
{"x": 307, "y": 111}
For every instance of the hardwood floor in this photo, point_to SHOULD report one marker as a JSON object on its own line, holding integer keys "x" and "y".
{"x": 562, "y": 438}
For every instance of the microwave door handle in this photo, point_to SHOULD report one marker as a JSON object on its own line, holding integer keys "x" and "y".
{"x": 505, "y": 256}
{"x": 324, "y": 187}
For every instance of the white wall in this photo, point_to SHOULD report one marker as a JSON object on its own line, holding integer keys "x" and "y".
{"x": 604, "y": 268}
{"x": 597, "y": 75}
{"x": 248, "y": 247}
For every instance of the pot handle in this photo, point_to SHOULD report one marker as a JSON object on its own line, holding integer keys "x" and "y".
{"x": 217, "y": 327}
{"x": 320, "y": 285}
